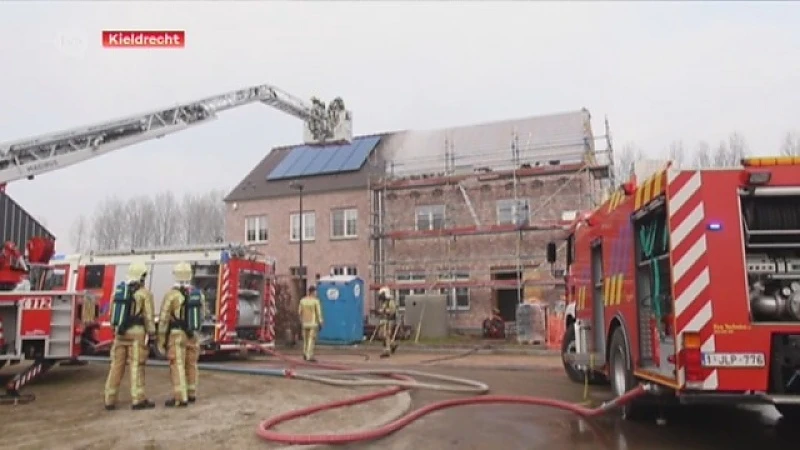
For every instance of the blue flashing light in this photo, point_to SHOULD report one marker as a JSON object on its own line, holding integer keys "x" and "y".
{"x": 714, "y": 226}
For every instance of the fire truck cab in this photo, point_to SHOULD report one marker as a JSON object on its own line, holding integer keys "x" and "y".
{"x": 690, "y": 281}
{"x": 236, "y": 282}
{"x": 37, "y": 322}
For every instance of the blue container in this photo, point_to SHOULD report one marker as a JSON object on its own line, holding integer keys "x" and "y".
{"x": 342, "y": 299}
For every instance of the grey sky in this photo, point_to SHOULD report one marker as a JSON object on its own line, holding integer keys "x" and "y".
{"x": 660, "y": 71}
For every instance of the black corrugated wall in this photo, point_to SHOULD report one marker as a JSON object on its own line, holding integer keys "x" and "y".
{"x": 17, "y": 225}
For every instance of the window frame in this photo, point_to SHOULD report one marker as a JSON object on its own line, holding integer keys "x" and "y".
{"x": 514, "y": 204}
{"x": 453, "y": 293}
{"x": 408, "y": 278}
{"x": 259, "y": 218}
{"x": 430, "y": 211}
{"x": 345, "y": 219}
{"x": 303, "y": 232}
{"x": 345, "y": 270}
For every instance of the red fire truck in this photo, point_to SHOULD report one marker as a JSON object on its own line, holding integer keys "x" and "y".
{"x": 37, "y": 322}
{"x": 237, "y": 283}
{"x": 691, "y": 281}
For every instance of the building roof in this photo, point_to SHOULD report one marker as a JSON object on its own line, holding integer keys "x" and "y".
{"x": 565, "y": 137}
{"x": 257, "y": 184}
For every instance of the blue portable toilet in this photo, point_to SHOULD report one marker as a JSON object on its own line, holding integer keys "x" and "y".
{"x": 342, "y": 299}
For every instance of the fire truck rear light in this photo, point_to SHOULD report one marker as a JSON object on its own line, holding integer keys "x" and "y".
{"x": 691, "y": 341}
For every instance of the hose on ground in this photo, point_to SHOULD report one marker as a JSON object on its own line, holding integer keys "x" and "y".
{"x": 401, "y": 382}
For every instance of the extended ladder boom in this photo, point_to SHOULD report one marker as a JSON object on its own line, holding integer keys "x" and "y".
{"x": 30, "y": 157}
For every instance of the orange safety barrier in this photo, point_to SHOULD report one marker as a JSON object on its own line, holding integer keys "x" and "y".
{"x": 555, "y": 331}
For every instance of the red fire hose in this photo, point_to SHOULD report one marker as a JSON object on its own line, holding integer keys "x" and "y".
{"x": 265, "y": 427}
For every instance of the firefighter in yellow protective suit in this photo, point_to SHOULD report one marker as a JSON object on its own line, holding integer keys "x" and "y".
{"x": 182, "y": 348}
{"x": 130, "y": 341}
{"x": 310, "y": 312}
{"x": 387, "y": 313}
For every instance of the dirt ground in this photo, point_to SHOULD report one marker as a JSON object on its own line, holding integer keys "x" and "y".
{"x": 68, "y": 412}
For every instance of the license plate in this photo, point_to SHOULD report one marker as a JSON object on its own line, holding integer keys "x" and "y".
{"x": 734, "y": 360}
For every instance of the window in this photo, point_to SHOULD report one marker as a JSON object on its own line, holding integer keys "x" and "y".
{"x": 430, "y": 217}
{"x": 343, "y": 223}
{"x": 410, "y": 278}
{"x": 513, "y": 212}
{"x": 344, "y": 270}
{"x": 457, "y": 297}
{"x": 255, "y": 229}
{"x": 309, "y": 227}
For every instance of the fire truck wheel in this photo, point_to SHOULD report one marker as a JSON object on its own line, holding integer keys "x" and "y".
{"x": 573, "y": 372}
{"x": 621, "y": 376}
{"x": 789, "y": 412}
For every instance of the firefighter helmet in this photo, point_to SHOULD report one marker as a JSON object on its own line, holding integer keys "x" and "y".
{"x": 182, "y": 272}
{"x": 385, "y": 293}
{"x": 136, "y": 271}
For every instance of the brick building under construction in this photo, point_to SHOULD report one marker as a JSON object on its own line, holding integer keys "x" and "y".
{"x": 464, "y": 211}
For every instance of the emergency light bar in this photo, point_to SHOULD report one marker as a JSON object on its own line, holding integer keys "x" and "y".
{"x": 767, "y": 161}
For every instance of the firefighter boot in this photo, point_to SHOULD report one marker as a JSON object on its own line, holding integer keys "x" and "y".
{"x": 192, "y": 399}
{"x": 144, "y": 404}
{"x": 172, "y": 403}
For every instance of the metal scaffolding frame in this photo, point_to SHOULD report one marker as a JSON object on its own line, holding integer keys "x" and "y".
{"x": 600, "y": 175}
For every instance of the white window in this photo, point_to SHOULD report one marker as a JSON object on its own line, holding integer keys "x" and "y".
{"x": 344, "y": 270}
{"x": 309, "y": 227}
{"x": 430, "y": 217}
{"x": 255, "y": 229}
{"x": 457, "y": 296}
{"x": 410, "y": 278}
{"x": 343, "y": 223}
{"x": 513, "y": 212}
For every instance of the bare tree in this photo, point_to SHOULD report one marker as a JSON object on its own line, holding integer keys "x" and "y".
{"x": 702, "y": 156}
{"x": 109, "y": 225}
{"x": 677, "y": 154}
{"x": 791, "y": 144}
{"x": 721, "y": 155}
{"x": 156, "y": 221}
{"x": 167, "y": 219}
{"x": 737, "y": 149}
{"x": 80, "y": 234}
{"x": 625, "y": 159}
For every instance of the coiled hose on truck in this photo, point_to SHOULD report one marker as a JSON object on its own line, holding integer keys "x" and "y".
{"x": 400, "y": 381}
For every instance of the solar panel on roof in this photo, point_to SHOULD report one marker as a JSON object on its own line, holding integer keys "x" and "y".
{"x": 359, "y": 155}
{"x": 307, "y": 160}
{"x": 324, "y": 156}
{"x": 280, "y": 170}
{"x": 307, "y": 155}
{"x": 339, "y": 157}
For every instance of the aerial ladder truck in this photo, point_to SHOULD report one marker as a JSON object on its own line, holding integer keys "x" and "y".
{"x": 45, "y": 325}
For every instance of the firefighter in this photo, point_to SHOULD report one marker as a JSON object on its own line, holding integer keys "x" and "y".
{"x": 134, "y": 325}
{"x": 178, "y": 338}
{"x": 387, "y": 313}
{"x": 310, "y": 312}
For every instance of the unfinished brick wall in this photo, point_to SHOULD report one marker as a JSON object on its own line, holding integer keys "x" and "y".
{"x": 548, "y": 196}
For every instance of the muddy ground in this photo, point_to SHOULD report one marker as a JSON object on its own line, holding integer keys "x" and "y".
{"x": 68, "y": 412}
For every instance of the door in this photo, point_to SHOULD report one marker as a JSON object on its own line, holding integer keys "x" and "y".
{"x": 598, "y": 298}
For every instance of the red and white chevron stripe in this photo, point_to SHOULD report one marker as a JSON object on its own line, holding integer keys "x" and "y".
{"x": 691, "y": 279}
{"x": 25, "y": 377}
{"x": 271, "y": 313}
{"x": 224, "y": 302}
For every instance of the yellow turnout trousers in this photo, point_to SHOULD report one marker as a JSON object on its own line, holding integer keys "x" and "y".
{"x": 127, "y": 350}
{"x": 183, "y": 353}
{"x": 309, "y": 340}
{"x": 387, "y": 332}
{"x": 192, "y": 357}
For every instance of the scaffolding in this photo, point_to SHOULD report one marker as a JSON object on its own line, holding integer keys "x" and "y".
{"x": 523, "y": 163}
